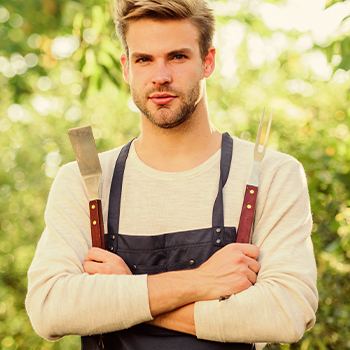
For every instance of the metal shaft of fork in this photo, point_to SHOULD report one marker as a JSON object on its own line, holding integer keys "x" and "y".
{"x": 259, "y": 155}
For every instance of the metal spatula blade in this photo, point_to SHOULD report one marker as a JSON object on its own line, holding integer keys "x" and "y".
{"x": 90, "y": 168}
{"x": 85, "y": 151}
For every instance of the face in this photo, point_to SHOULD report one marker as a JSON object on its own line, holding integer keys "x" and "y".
{"x": 165, "y": 70}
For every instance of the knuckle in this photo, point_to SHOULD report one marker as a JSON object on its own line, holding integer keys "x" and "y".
{"x": 235, "y": 246}
{"x": 243, "y": 270}
{"x": 230, "y": 247}
{"x": 93, "y": 251}
{"x": 240, "y": 259}
{"x": 243, "y": 284}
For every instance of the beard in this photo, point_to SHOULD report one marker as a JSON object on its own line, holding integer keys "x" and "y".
{"x": 163, "y": 116}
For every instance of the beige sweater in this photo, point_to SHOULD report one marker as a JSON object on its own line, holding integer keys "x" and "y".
{"x": 62, "y": 299}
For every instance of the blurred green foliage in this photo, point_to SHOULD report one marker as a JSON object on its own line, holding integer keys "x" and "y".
{"x": 59, "y": 68}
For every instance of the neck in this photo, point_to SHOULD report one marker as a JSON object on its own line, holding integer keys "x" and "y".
{"x": 181, "y": 148}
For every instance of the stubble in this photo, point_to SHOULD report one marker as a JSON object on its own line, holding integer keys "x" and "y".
{"x": 165, "y": 117}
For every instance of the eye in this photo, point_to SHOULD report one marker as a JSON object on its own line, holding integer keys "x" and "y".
{"x": 142, "y": 60}
{"x": 179, "y": 57}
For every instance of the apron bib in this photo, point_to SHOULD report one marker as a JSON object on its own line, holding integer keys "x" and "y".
{"x": 161, "y": 253}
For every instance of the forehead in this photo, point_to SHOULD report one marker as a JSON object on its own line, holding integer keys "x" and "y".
{"x": 160, "y": 36}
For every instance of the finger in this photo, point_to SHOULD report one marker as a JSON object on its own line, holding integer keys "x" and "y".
{"x": 249, "y": 250}
{"x": 93, "y": 254}
{"x": 252, "y": 277}
{"x": 97, "y": 254}
{"x": 243, "y": 283}
{"x": 254, "y": 265}
{"x": 90, "y": 267}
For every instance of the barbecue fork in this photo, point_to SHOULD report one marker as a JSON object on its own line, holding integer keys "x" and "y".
{"x": 251, "y": 192}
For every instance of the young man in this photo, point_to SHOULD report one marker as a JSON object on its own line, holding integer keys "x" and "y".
{"x": 172, "y": 218}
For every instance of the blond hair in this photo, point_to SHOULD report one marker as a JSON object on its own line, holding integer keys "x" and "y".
{"x": 197, "y": 11}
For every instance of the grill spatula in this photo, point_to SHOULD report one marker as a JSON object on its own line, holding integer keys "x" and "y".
{"x": 90, "y": 168}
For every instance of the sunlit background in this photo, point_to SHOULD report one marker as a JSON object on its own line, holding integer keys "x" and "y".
{"x": 59, "y": 68}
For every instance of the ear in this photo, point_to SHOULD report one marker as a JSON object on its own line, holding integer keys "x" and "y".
{"x": 125, "y": 64}
{"x": 209, "y": 62}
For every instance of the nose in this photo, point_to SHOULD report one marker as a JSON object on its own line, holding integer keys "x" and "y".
{"x": 161, "y": 74}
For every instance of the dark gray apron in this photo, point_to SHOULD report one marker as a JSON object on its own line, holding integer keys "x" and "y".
{"x": 165, "y": 252}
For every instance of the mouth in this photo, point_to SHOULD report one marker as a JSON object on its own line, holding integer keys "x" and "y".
{"x": 162, "y": 98}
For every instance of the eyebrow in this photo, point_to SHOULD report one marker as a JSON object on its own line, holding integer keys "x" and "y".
{"x": 185, "y": 51}
{"x": 137, "y": 55}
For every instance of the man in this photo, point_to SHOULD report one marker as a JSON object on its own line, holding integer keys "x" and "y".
{"x": 172, "y": 216}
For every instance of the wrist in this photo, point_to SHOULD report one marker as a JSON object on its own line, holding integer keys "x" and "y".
{"x": 171, "y": 290}
{"x": 180, "y": 320}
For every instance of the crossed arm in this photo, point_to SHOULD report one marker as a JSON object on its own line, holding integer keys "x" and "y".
{"x": 172, "y": 294}
{"x": 280, "y": 306}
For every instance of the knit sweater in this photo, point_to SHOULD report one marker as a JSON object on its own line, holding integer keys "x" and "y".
{"x": 62, "y": 299}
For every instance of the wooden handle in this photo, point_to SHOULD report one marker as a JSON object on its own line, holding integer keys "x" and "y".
{"x": 96, "y": 221}
{"x": 247, "y": 214}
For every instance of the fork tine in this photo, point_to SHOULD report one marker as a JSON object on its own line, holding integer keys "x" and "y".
{"x": 268, "y": 130}
{"x": 257, "y": 142}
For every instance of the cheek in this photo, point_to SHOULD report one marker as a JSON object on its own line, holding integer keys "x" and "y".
{"x": 138, "y": 78}
{"x": 188, "y": 76}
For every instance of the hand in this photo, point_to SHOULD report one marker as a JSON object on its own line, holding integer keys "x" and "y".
{"x": 231, "y": 270}
{"x": 106, "y": 263}
{"x": 179, "y": 320}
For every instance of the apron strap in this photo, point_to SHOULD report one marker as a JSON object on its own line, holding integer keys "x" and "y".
{"x": 225, "y": 164}
{"x": 116, "y": 189}
{"x": 117, "y": 183}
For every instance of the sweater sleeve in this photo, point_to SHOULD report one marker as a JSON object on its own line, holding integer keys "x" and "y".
{"x": 59, "y": 292}
{"x": 282, "y": 303}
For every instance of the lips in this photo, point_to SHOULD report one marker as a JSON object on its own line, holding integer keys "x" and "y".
{"x": 162, "y": 98}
